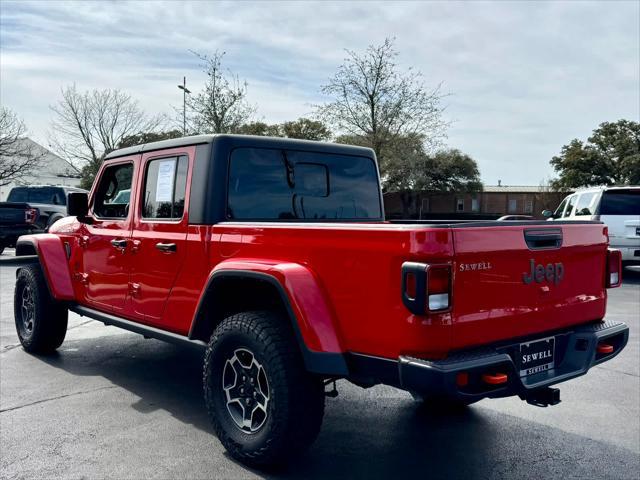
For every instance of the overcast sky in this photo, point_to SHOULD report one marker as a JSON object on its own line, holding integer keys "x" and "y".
{"x": 525, "y": 78}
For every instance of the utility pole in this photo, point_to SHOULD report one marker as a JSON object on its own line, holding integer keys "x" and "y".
{"x": 185, "y": 90}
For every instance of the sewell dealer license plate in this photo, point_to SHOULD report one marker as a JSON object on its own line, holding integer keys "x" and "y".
{"x": 536, "y": 356}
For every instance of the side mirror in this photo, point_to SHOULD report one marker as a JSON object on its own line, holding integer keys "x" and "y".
{"x": 78, "y": 205}
{"x": 547, "y": 213}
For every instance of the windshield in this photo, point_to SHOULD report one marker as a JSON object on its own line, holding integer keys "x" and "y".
{"x": 47, "y": 195}
{"x": 620, "y": 202}
{"x": 559, "y": 210}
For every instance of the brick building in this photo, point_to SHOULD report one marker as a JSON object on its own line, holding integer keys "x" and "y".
{"x": 493, "y": 202}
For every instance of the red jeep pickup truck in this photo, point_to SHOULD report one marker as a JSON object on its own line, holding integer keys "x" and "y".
{"x": 274, "y": 256}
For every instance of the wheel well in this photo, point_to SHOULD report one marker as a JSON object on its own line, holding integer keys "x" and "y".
{"x": 25, "y": 249}
{"x": 233, "y": 294}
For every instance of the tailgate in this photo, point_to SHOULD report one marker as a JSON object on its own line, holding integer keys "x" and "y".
{"x": 12, "y": 213}
{"x": 517, "y": 280}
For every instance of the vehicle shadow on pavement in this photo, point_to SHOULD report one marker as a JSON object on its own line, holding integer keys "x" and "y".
{"x": 631, "y": 276}
{"x": 380, "y": 433}
{"x": 162, "y": 375}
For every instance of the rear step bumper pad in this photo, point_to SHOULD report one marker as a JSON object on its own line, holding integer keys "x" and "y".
{"x": 461, "y": 374}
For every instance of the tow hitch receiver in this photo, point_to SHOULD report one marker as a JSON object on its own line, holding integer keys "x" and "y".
{"x": 543, "y": 397}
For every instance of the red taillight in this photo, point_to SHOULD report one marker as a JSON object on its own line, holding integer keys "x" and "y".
{"x": 438, "y": 287}
{"x": 30, "y": 215}
{"x": 614, "y": 268}
{"x": 426, "y": 288}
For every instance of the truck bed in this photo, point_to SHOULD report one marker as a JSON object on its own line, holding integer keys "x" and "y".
{"x": 359, "y": 265}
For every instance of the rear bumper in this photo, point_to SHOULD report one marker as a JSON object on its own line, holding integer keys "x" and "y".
{"x": 575, "y": 354}
{"x": 630, "y": 254}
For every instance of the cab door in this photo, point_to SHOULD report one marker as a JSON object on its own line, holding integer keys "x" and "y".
{"x": 106, "y": 239}
{"x": 159, "y": 232}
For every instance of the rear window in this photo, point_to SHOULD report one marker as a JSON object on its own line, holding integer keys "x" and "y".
{"x": 620, "y": 202}
{"x": 270, "y": 184}
{"x": 46, "y": 195}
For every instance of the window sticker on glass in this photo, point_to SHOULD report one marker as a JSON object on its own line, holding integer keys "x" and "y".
{"x": 164, "y": 185}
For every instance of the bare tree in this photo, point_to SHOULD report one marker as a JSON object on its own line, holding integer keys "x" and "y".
{"x": 376, "y": 102}
{"x": 88, "y": 125}
{"x": 18, "y": 158}
{"x": 222, "y": 105}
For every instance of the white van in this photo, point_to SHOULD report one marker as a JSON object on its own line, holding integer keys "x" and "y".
{"x": 617, "y": 207}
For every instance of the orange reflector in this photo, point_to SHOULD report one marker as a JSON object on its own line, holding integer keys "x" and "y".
{"x": 604, "y": 348}
{"x": 494, "y": 379}
{"x": 462, "y": 379}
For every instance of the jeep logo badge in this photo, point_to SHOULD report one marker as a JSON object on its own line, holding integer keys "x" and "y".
{"x": 551, "y": 273}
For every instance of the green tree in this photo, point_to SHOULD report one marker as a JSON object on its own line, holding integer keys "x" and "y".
{"x": 148, "y": 137}
{"x": 410, "y": 169}
{"x": 302, "y": 128}
{"x": 261, "y": 129}
{"x": 306, "y": 129}
{"x": 610, "y": 156}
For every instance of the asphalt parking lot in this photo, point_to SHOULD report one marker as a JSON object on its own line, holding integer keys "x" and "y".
{"x": 111, "y": 404}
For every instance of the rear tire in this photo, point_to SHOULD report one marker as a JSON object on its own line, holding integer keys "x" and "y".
{"x": 41, "y": 321}
{"x": 265, "y": 408}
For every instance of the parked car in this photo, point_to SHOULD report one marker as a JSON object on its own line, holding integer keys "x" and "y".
{"x": 273, "y": 255}
{"x": 31, "y": 209}
{"x": 617, "y": 207}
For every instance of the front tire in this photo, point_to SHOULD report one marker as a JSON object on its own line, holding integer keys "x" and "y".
{"x": 41, "y": 321}
{"x": 264, "y": 407}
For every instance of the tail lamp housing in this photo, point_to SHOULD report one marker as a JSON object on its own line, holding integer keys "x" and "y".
{"x": 614, "y": 268}
{"x": 30, "y": 215}
{"x": 426, "y": 288}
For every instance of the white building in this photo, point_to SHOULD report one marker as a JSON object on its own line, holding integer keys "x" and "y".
{"x": 53, "y": 170}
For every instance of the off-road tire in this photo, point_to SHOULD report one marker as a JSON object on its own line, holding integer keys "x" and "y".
{"x": 296, "y": 404}
{"x": 41, "y": 323}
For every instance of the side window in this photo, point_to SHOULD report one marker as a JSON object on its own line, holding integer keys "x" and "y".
{"x": 585, "y": 204}
{"x": 113, "y": 191}
{"x": 164, "y": 189}
{"x": 570, "y": 205}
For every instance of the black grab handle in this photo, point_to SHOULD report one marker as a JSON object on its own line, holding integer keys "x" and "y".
{"x": 538, "y": 239}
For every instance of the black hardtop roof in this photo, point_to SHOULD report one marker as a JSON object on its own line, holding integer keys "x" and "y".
{"x": 235, "y": 141}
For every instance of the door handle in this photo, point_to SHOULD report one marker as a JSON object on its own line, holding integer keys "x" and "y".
{"x": 119, "y": 243}
{"x": 166, "y": 247}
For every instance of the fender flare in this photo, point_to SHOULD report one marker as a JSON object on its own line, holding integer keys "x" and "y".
{"x": 53, "y": 261}
{"x": 327, "y": 357}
